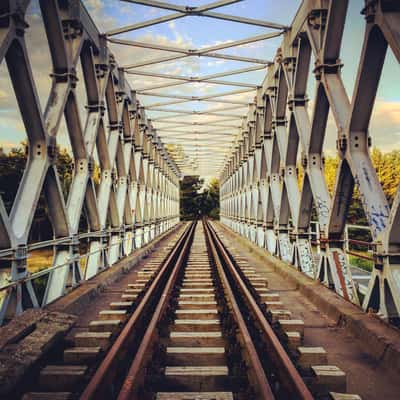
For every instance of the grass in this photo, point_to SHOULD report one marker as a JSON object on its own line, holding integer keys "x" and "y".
{"x": 366, "y": 265}
{"x": 39, "y": 260}
{"x": 43, "y": 258}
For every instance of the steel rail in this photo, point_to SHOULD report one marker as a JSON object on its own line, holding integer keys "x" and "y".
{"x": 100, "y": 383}
{"x": 129, "y": 390}
{"x": 285, "y": 369}
{"x": 129, "y": 387}
{"x": 262, "y": 386}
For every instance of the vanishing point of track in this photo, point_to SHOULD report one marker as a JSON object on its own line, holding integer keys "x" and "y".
{"x": 194, "y": 325}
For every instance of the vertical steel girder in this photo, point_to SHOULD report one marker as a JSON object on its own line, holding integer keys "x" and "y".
{"x": 260, "y": 194}
{"x": 137, "y": 195}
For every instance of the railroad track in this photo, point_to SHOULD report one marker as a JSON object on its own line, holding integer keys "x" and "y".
{"x": 196, "y": 325}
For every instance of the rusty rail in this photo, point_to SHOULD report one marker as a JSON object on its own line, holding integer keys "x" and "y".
{"x": 101, "y": 385}
{"x": 106, "y": 383}
{"x": 262, "y": 386}
{"x": 284, "y": 368}
{"x": 129, "y": 389}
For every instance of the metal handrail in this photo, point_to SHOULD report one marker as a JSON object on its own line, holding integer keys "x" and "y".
{"x": 46, "y": 271}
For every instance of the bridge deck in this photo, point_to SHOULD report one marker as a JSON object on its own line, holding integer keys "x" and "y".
{"x": 358, "y": 350}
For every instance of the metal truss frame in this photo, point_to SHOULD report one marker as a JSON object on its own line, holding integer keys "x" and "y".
{"x": 177, "y": 53}
{"x": 260, "y": 196}
{"x": 198, "y": 79}
{"x": 204, "y": 52}
{"x": 184, "y": 124}
{"x": 137, "y": 196}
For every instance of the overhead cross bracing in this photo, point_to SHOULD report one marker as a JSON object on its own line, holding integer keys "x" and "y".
{"x": 228, "y": 86}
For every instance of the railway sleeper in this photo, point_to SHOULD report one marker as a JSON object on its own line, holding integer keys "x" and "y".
{"x": 200, "y": 314}
{"x": 192, "y": 355}
{"x": 109, "y": 325}
{"x": 195, "y": 379}
{"x": 64, "y": 378}
{"x": 48, "y": 396}
{"x": 93, "y": 339}
{"x": 327, "y": 378}
{"x": 196, "y": 339}
{"x": 113, "y": 315}
{"x": 277, "y": 315}
{"x": 343, "y": 396}
{"x": 194, "y": 395}
{"x": 82, "y": 355}
{"x": 121, "y": 305}
{"x": 196, "y": 305}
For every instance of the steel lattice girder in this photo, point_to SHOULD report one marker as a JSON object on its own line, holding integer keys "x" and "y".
{"x": 138, "y": 193}
{"x": 260, "y": 196}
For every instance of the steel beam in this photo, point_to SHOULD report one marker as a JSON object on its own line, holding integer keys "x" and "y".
{"x": 207, "y": 52}
{"x": 198, "y": 11}
{"x": 212, "y": 55}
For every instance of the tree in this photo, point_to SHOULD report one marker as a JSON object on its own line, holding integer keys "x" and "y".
{"x": 190, "y": 198}
{"x": 12, "y": 166}
{"x": 197, "y": 200}
{"x": 387, "y": 166}
{"x": 211, "y": 199}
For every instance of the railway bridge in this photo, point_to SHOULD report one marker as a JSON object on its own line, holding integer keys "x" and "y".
{"x": 107, "y": 292}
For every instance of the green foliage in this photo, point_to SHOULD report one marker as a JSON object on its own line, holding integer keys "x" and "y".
{"x": 197, "y": 201}
{"x": 361, "y": 263}
{"x": 12, "y": 166}
{"x": 387, "y": 166}
{"x": 65, "y": 170}
{"x": 210, "y": 199}
{"x": 189, "y": 193}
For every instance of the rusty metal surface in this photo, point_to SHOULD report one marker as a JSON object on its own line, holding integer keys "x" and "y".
{"x": 97, "y": 387}
{"x": 263, "y": 388}
{"x": 130, "y": 385}
{"x": 284, "y": 366}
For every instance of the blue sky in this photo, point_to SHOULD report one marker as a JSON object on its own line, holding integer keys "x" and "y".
{"x": 194, "y": 32}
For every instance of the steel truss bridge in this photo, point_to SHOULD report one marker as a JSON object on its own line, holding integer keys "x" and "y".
{"x": 255, "y": 154}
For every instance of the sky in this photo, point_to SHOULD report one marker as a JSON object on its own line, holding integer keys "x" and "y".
{"x": 197, "y": 32}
